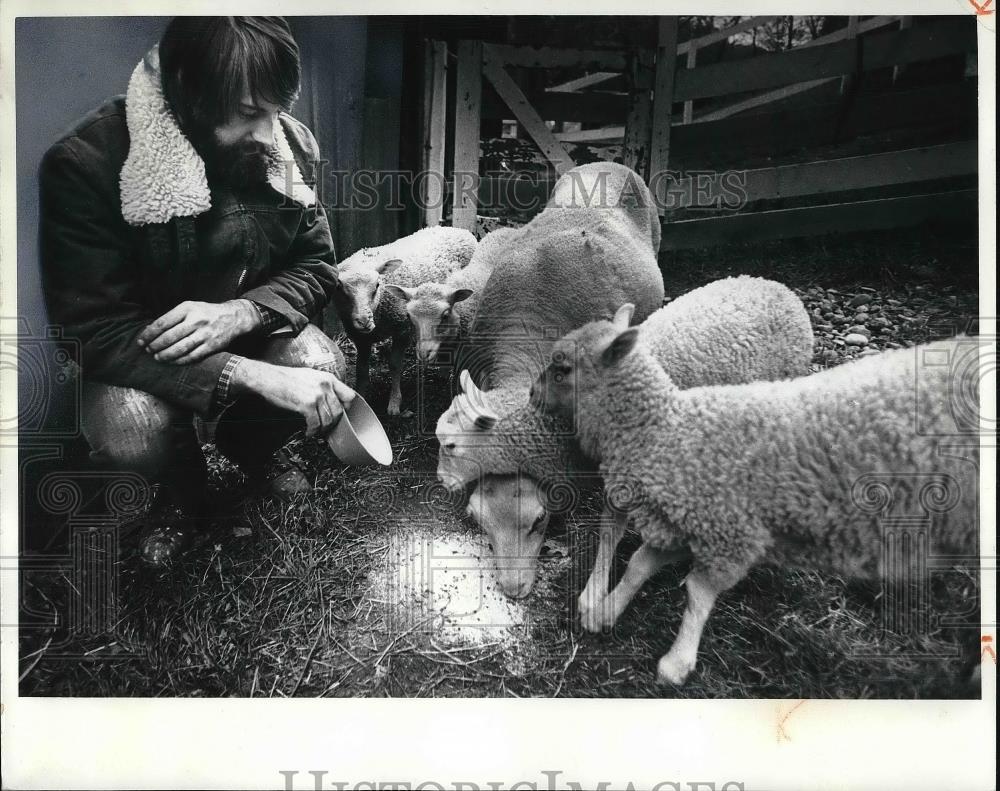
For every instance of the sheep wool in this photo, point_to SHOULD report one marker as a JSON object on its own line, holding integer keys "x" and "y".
{"x": 371, "y": 314}
{"x": 731, "y": 331}
{"x": 426, "y": 303}
{"x": 783, "y": 470}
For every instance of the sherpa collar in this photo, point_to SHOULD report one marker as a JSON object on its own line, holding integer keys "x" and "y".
{"x": 163, "y": 176}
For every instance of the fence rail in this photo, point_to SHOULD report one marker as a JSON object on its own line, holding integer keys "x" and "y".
{"x": 642, "y": 128}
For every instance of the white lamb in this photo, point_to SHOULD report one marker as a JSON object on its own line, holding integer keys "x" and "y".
{"x": 779, "y": 470}
{"x": 371, "y": 314}
{"x": 441, "y": 314}
{"x": 731, "y": 331}
{"x": 595, "y": 240}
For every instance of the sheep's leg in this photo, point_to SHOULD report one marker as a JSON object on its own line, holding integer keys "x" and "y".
{"x": 703, "y": 588}
{"x": 613, "y": 525}
{"x": 643, "y": 564}
{"x": 362, "y": 367}
{"x": 396, "y": 355}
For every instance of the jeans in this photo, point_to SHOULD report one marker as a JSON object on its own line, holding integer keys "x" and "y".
{"x": 133, "y": 431}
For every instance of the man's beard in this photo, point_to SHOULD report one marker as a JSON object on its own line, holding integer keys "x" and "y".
{"x": 241, "y": 164}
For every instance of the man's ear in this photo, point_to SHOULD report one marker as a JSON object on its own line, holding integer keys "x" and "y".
{"x": 400, "y": 292}
{"x": 386, "y": 267}
{"x": 459, "y": 294}
{"x": 623, "y": 316}
{"x": 620, "y": 347}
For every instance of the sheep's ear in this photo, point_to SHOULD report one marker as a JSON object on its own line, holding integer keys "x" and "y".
{"x": 459, "y": 294}
{"x": 623, "y": 316}
{"x": 620, "y": 347}
{"x": 465, "y": 379}
{"x": 400, "y": 292}
{"x": 389, "y": 266}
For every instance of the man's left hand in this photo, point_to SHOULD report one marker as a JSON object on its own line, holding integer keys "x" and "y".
{"x": 193, "y": 330}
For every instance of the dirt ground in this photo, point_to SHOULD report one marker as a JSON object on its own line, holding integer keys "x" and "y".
{"x": 328, "y": 595}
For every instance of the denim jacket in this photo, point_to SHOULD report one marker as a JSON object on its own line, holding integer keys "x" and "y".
{"x": 106, "y": 277}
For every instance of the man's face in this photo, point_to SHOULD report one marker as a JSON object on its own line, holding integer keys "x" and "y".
{"x": 241, "y": 148}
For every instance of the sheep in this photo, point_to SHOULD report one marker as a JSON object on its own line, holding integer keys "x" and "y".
{"x": 442, "y": 313}
{"x": 731, "y": 331}
{"x": 784, "y": 470}
{"x": 369, "y": 315}
{"x": 593, "y": 242}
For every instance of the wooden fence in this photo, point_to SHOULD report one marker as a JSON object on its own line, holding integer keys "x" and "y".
{"x": 656, "y": 127}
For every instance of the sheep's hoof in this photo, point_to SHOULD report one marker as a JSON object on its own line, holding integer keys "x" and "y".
{"x": 394, "y": 411}
{"x": 595, "y": 617}
{"x": 673, "y": 669}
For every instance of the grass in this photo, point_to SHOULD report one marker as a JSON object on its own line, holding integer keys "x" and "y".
{"x": 276, "y": 600}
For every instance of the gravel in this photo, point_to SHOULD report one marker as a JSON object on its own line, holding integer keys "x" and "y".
{"x": 863, "y": 321}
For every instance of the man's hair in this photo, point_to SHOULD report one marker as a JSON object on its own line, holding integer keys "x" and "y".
{"x": 208, "y": 63}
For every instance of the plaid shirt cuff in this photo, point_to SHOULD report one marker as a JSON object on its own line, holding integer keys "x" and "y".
{"x": 270, "y": 320}
{"x": 223, "y": 398}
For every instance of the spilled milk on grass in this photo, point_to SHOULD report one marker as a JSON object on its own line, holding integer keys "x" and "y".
{"x": 442, "y": 584}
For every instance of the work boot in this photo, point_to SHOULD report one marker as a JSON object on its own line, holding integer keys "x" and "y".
{"x": 166, "y": 530}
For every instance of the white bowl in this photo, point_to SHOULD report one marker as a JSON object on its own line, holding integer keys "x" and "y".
{"x": 358, "y": 437}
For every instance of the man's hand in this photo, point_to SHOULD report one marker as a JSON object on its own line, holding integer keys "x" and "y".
{"x": 319, "y": 397}
{"x": 193, "y": 330}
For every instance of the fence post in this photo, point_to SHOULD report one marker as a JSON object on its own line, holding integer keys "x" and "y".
{"x": 468, "y": 95}
{"x": 692, "y": 61}
{"x": 435, "y": 109}
{"x": 635, "y": 146}
{"x": 852, "y": 33}
{"x": 904, "y": 23}
{"x": 663, "y": 97}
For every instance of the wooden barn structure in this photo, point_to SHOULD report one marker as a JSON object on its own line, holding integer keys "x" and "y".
{"x": 870, "y": 124}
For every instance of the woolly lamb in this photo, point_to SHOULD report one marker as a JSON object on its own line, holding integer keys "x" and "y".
{"x": 370, "y": 314}
{"x": 731, "y": 331}
{"x": 565, "y": 267}
{"x": 784, "y": 470}
{"x": 442, "y": 313}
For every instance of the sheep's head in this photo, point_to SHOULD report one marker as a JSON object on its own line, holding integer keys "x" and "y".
{"x": 511, "y": 511}
{"x": 461, "y": 430}
{"x": 578, "y": 361}
{"x": 430, "y": 307}
{"x": 358, "y": 293}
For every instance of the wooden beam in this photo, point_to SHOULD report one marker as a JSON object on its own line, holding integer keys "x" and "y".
{"x": 952, "y": 207}
{"x": 759, "y": 101}
{"x": 905, "y": 22}
{"x": 465, "y": 173}
{"x": 692, "y": 61}
{"x": 601, "y": 108}
{"x": 783, "y": 93}
{"x": 734, "y": 188}
{"x": 638, "y": 136}
{"x": 552, "y": 58}
{"x": 587, "y": 81}
{"x": 852, "y": 34}
{"x": 590, "y": 80}
{"x": 786, "y": 129}
{"x": 944, "y": 36}
{"x": 508, "y": 90}
{"x": 435, "y": 109}
{"x": 720, "y": 35}
{"x": 592, "y": 135}
{"x": 663, "y": 99}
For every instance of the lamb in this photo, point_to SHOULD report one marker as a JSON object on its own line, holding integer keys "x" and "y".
{"x": 731, "y": 331}
{"x": 441, "y": 313}
{"x": 783, "y": 470}
{"x": 370, "y": 314}
{"x": 592, "y": 242}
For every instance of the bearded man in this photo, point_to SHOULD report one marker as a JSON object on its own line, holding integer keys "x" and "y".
{"x": 184, "y": 249}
